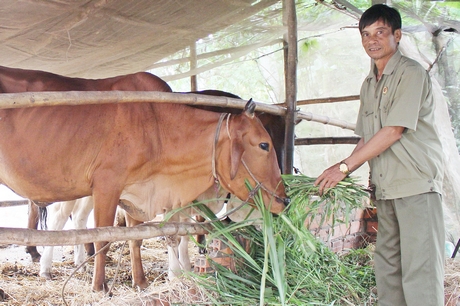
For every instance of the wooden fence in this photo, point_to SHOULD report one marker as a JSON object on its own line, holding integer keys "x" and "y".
{"x": 148, "y": 230}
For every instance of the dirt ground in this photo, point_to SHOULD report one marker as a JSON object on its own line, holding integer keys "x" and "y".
{"x": 20, "y": 283}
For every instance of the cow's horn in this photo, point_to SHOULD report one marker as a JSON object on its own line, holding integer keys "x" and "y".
{"x": 250, "y": 108}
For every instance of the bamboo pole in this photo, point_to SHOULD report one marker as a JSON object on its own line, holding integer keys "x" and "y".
{"x": 326, "y": 140}
{"x": 32, "y": 99}
{"x": 21, "y": 236}
{"x": 326, "y": 120}
{"x": 13, "y": 203}
{"x": 327, "y": 100}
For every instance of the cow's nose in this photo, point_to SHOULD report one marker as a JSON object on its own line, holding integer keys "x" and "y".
{"x": 286, "y": 201}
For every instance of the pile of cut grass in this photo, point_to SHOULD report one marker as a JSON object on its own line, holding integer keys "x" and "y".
{"x": 286, "y": 264}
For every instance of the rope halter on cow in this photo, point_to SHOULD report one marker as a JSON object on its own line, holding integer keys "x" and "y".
{"x": 259, "y": 185}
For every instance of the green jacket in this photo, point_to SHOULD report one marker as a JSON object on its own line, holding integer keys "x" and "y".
{"x": 403, "y": 97}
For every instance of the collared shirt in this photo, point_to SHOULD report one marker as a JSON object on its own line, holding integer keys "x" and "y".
{"x": 402, "y": 97}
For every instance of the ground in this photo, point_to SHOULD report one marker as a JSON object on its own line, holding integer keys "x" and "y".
{"x": 20, "y": 282}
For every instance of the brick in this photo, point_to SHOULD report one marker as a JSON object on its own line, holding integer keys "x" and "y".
{"x": 370, "y": 213}
{"x": 372, "y": 227}
{"x": 356, "y": 227}
{"x": 338, "y": 231}
{"x": 323, "y": 235}
{"x": 353, "y": 241}
{"x": 358, "y": 214}
{"x": 336, "y": 245}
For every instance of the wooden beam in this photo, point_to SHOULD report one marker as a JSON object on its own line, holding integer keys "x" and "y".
{"x": 328, "y": 100}
{"x": 347, "y": 5}
{"x": 33, "y": 99}
{"x": 193, "y": 65}
{"x": 326, "y": 120}
{"x": 326, "y": 140}
{"x": 290, "y": 52}
{"x": 13, "y": 203}
{"x": 147, "y": 230}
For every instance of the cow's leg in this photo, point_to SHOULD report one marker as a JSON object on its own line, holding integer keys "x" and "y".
{"x": 178, "y": 256}
{"x": 174, "y": 266}
{"x": 80, "y": 215}
{"x": 184, "y": 257}
{"x": 58, "y": 213}
{"x": 200, "y": 239}
{"x": 32, "y": 223}
{"x": 105, "y": 207}
{"x": 139, "y": 279}
{"x": 89, "y": 248}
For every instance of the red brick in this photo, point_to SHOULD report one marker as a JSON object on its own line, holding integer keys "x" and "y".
{"x": 337, "y": 245}
{"x": 353, "y": 241}
{"x": 372, "y": 227}
{"x": 370, "y": 213}
{"x": 355, "y": 227}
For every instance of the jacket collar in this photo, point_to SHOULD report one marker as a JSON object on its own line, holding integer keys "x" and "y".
{"x": 389, "y": 68}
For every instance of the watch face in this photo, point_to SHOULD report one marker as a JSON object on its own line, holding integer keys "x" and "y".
{"x": 343, "y": 168}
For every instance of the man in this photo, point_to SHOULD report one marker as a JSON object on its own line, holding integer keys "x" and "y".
{"x": 399, "y": 141}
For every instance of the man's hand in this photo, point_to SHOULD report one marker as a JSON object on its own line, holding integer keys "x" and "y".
{"x": 329, "y": 178}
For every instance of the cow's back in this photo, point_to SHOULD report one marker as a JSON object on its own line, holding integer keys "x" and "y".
{"x": 46, "y": 151}
{"x": 56, "y": 153}
{"x": 13, "y": 80}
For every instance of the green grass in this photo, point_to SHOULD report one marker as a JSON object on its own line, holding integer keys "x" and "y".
{"x": 286, "y": 264}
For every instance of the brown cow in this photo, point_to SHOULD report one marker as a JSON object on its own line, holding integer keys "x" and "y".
{"x": 50, "y": 154}
{"x": 275, "y": 126}
{"x": 14, "y": 80}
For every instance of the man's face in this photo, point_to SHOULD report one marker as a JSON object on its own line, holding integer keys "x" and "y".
{"x": 379, "y": 41}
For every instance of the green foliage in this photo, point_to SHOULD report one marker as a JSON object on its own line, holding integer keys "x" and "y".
{"x": 335, "y": 205}
{"x": 309, "y": 44}
{"x": 286, "y": 264}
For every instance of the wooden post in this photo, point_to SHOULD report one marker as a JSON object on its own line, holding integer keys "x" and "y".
{"x": 290, "y": 72}
{"x": 193, "y": 64}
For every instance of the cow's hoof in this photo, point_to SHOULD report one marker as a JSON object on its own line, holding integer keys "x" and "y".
{"x": 35, "y": 257}
{"x": 45, "y": 275}
{"x": 82, "y": 268}
{"x": 33, "y": 253}
{"x": 3, "y": 295}
{"x": 141, "y": 285}
{"x": 102, "y": 288}
{"x": 202, "y": 251}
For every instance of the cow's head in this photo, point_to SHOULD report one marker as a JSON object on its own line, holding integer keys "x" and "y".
{"x": 246, "y": 152}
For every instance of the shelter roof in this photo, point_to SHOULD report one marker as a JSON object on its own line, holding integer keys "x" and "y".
{"x": 101, "y": 38}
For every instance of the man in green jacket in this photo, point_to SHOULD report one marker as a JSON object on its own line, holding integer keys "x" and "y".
{"x": 399, "y": 140}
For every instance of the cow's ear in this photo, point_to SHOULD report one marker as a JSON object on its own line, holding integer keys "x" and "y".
{"x": 250, "y": 108}
{"x": 237, "y": 152}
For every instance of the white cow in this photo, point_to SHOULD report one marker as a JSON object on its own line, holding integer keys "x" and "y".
{"x": 214, "y": 198}
{"x": 178, "y": 255}
{"x": 58, "y": 214}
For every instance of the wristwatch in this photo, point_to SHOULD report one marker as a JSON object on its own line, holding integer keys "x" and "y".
{"x": 343, "y": 167}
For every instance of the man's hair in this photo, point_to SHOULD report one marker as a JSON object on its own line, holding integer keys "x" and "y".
{"x": 388, "y": 15}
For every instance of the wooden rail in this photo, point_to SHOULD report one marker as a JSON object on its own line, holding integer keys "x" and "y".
{"x": 32, "y": 99}
{"x": 147, "y": 230}
{"x": 13, "y": 203}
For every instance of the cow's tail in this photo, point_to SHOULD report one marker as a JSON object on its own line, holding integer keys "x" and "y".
{"x": 42, "y": 216}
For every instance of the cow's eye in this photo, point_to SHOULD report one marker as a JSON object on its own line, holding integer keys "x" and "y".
{"x": 264, "y": 146}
